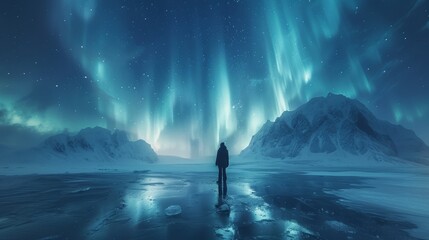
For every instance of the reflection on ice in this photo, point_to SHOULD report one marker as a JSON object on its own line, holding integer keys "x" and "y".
{"x": 247, "y": 190}
{"x": 262, "y": 213}
{"x": 141, "y": 203}
{"x": 226, "y": 233}
{"x": 131, "y": 206}
{"x": 260, "y": 210}
{"x": 293, "y": 230}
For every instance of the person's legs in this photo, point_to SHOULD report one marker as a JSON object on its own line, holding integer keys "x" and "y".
{"x": 219, "y": 181}
{"x": 219, "y": 176}
{"x": 225, "y": 188}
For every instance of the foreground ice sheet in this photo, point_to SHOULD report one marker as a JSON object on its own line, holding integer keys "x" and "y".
{"x": 266, "y": 202}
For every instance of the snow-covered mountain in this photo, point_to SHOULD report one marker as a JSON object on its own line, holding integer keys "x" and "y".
{"x": 97, "y": 144}
{"x": 336, "y": 124}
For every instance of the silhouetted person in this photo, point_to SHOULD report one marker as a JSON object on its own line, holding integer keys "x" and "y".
{"x": 222, "y": 162}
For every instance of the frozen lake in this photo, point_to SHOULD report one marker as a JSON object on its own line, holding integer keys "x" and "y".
{"x": 265, "y": 204}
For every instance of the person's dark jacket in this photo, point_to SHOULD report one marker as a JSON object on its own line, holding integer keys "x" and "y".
{"x": 222, "y": 158}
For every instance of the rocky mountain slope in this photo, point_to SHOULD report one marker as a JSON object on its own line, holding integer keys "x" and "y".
{"x": 336, "y": 124}
{"x": 98, "y": 144}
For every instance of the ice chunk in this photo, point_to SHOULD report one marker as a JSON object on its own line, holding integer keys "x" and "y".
{"x": 224, "y": 208}
{"x": 173, "y": 210}
{"x": 339, "y": 226}
{"x": 294, "y": 229}
{"x": 225, "y": 233}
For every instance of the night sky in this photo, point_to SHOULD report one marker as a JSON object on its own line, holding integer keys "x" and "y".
{"x": 185, "y": 75}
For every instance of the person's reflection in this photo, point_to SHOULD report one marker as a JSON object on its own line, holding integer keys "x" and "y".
{"x": 222, "y": 162}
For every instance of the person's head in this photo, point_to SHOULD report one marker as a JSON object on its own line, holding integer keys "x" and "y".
{"x": 222, "y": 144}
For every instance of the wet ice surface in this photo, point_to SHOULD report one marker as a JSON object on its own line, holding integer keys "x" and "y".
{"x": 264, "y": 204}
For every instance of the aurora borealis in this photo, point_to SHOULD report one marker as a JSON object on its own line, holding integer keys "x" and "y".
{"x": 185, "y": 75}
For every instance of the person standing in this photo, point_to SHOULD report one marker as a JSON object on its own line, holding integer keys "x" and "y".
{"x": 222, "y": 162}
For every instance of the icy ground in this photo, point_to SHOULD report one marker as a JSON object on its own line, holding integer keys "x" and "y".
{"x": 268, "y": 201}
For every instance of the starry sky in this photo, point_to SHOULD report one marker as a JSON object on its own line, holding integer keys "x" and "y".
{"x": 186, "y": 75}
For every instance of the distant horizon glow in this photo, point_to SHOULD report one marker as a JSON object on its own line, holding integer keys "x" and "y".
{"x": 185, "y": 76}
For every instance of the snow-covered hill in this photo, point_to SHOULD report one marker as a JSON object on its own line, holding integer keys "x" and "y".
{"x": 335, "y": 125}
{"x": 97, "y": 144}
{"x": 90, "y": 150}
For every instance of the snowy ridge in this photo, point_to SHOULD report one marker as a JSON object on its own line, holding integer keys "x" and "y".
{"x": 98, "y": 144}
{"x": 336, "y": 126}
